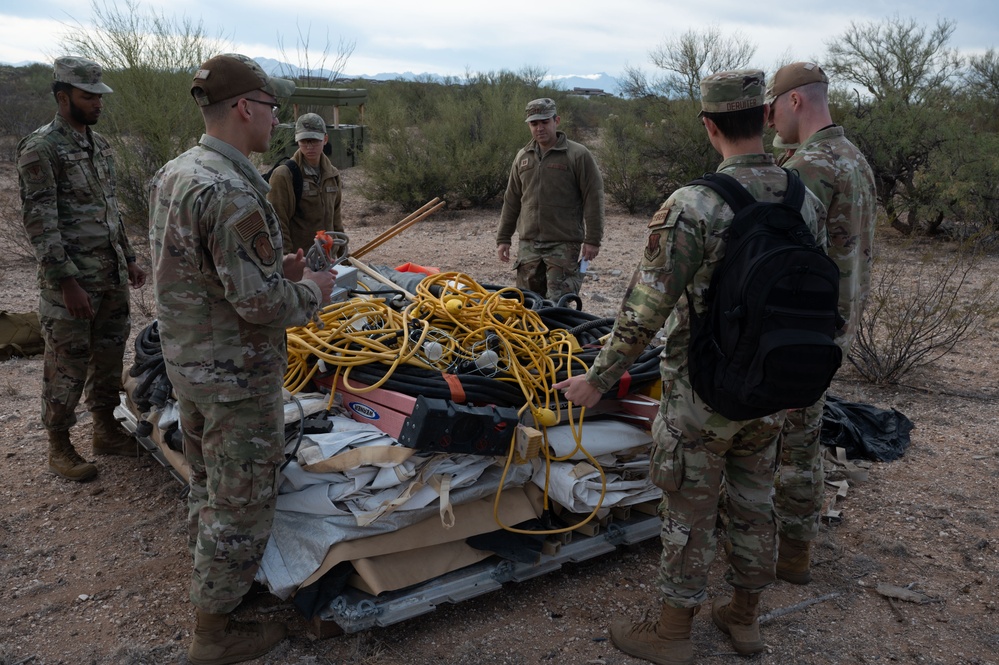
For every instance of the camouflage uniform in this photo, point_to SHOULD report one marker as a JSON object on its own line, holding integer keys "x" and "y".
{"x": 836, "y": 171}
{"x": 555, "y": 202}
{"x": 70, "y": 212}
{"x": 223, "y": 307}
{"x": 322, "y": 194}
{"x": 696, "y": 449}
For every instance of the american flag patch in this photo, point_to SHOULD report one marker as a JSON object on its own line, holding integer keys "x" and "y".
{"x": 249, "y": 226}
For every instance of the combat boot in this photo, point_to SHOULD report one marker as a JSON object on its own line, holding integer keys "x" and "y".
{"x": 65, "y": 462}
{"x": 666, "y": 642}
{"x": 738, "y": 619}
{"x": 794, "y": 560}
{"x": 218, "y": 641}
{"x": 110, "y": 438}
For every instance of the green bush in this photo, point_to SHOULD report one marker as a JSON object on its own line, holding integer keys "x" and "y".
{"x": 450, "y": 139}
{"x": 627, "y": 178}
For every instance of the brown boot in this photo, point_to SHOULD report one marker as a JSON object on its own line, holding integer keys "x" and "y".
{"x": 794, "y": 560}
{"x": 218, "y": 641}
{"x": 64, "y": 461}
{"x": 110, "y": 438}
{"x": 738, "y": 619}
{"x": 666, "y": 642}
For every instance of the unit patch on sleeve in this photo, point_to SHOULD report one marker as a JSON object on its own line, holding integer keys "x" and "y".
{"x": 264, "y": 248}
{"x": 653, "y": 246}
{"x": 31, "y": 166}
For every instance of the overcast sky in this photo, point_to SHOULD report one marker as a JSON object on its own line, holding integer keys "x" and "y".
{"x": 451, "y": 37}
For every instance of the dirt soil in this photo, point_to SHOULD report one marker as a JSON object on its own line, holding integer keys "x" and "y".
{"x": 98, "y": 572}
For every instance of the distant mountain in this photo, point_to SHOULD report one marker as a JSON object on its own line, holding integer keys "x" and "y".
{"x": 600, "y": 81}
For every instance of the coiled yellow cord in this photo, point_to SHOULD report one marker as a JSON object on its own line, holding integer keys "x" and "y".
{"x": 463, "y": 320}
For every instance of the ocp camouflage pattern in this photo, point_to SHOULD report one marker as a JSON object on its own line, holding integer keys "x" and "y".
{"x": 686, "y": 240}
{"x": 67, "y": 184}
{"x": 838, "y": 173}
{"x": 222, "y": 300}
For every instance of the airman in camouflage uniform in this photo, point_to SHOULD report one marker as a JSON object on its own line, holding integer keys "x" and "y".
{"x": 555, "y": 201}
{"x": 695, "y": 449}
{"x": 836, "y": 171}
{"x": 67, "y": 184}
{"x": 225, "y": 295}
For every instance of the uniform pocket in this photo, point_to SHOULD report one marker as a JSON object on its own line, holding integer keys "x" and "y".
{"x": 666, "y": 463}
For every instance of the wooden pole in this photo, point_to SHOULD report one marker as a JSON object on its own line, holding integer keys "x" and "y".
{"x": 400, "y": 227}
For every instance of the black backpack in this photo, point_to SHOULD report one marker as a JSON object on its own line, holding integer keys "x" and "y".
{"x": 765, "y": 342}
{"x": 296, "y": 177}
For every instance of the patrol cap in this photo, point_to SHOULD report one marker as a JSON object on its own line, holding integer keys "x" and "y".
{"x": 310, "y": 126}
{"x": 792, "y": 76}
{"x": 80, "y": 73}
{"x": 540, "y": 109}
{"x": 736, "y": 90}
{"x": 231, "y": 74}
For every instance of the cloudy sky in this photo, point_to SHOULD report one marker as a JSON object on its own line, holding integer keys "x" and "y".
{"x": 452, "y": 37}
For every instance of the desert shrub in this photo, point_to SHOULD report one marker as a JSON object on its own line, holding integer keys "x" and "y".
{"x": 627, "y": 178}
{"x": 919, "y": 311}
{"x": 26, "y": 104}
{"x": 452, "y": 138}
{"x": 13, "y": 238}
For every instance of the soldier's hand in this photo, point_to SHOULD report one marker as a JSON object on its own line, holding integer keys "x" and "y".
{"x": 579, "y": 391}
{"x": 136, "y": 275}
{"x": 589, "y": 252}
{"x": 324, "y": 280}
{"x": 294, "y": 265}
{"x": 77, "y": 300}
{"x": 503, "y": 252}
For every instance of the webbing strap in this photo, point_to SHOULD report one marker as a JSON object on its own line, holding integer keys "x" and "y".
{"x": 624, "y": 387}
{"x": 454, "y": 384}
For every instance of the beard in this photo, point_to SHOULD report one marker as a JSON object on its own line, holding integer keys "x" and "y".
{"x": 78, "y": 115}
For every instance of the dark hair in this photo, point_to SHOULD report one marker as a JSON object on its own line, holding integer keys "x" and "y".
{"x": 61, "y": 86}
{"x": 737, "y": 125}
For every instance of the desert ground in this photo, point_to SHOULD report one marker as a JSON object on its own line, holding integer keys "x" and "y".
{"x": 97, "y": 573}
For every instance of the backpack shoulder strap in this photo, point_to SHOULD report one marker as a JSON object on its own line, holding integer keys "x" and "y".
{"x": 795, "y": 194}
{"x": 727, "y": 187}
{"x": 296, "y": 178}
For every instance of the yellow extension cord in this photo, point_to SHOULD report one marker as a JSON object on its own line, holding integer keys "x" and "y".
{"x": 457, "y": 326}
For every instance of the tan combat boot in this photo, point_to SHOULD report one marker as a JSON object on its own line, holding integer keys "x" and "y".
{"x": 794, "y": 560}
{"x": 64, "y": 461}
{"x": 666, "y": 642}
{"x": 738, "y": 619}
{"x": 218, "y": 641}
{"x": 110, "y": 438}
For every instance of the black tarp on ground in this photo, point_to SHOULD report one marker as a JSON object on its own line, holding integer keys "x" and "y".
{"x": 865, "y": 431}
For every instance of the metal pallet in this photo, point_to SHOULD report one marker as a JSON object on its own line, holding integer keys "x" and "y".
{"x": 355, "y": 610}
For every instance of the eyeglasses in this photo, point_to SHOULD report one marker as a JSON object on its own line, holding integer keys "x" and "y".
{"x": 274, "y": 105}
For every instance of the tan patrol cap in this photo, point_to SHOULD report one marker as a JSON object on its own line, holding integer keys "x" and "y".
{"x": 736, "y": 90}
{"x": 793, "y": 76}
{"x": 80, "y": 73}
{"x": 310, "y": 126}
{"x": 232, "y": 74}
